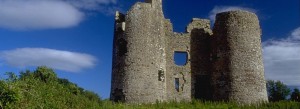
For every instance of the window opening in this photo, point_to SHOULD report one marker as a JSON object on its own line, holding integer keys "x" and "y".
{"x": 161, "y": 75}
{"x": 180, "y": 58}
{"x": 177, "y": 84}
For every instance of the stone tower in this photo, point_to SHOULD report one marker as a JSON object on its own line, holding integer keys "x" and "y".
{"x": 139, "y": 54}
{"x": 223, "y": 64}
{"x": 238, "y": 71}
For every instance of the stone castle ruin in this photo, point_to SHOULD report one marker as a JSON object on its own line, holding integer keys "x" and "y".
{"x": 223, "y": 64}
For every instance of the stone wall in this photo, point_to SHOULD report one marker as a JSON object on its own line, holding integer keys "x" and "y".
{"x": 145, "y": 56}
{"x": 178, "y": 42}
{"x": 119, "y": 51}
{"x": 225, "y": 64}
{"x": 238, "y": 71}
{"x": 200, "y": 39}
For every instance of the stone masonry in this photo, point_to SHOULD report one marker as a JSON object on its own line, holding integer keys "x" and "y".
{"x": 223, "y": 64}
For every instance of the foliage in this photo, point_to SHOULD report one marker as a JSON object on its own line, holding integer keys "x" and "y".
{"x": 277, "y": 90}
{"x": 42, "y": 89}
{"x": 45, "y": 74}
{"x": 295, "y": 95}
{"x": 9, "y": 94}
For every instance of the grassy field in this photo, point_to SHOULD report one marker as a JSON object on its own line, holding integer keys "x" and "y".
{"x": 201, "y": 105}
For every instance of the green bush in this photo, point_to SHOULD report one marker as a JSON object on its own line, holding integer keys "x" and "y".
{"x": 9, "y": 94}
{"x": 42, "y": 89}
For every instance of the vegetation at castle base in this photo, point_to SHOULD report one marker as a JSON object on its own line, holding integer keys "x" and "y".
{"x": 195, "y": 104}
{"x": 42, "y": 89}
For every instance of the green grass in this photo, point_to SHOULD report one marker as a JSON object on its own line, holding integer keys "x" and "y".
{"x": 201, "y": 105}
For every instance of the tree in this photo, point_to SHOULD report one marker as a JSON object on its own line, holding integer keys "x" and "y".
{"x": 9, "y": 93}
{"x": 45, "y": 74}
{"x": 295, "y": 95}
{"x": 277, "y": 90}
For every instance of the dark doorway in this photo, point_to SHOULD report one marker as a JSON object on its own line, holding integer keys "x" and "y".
{"x": 203, "y": 87}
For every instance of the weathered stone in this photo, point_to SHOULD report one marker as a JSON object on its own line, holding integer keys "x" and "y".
{"x": 238, "y": 70}
{"x": 225, "y": 64}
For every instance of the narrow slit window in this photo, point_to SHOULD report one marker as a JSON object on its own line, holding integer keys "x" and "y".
{"x": 180, "y": 58}
{"x": 161, "y": 74}
{"x": 177, "y": 84}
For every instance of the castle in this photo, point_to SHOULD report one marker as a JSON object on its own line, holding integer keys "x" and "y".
{"x": 223, "y": 64}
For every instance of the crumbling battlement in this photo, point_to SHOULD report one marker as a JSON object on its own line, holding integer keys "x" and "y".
{"x": 221, "y": 64}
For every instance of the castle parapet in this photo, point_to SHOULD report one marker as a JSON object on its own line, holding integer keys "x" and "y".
{"x": 155, "y": 3}
{"x": 197, "y": 23}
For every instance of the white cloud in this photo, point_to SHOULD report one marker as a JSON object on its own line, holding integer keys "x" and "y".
{"x": 219, "y": 9}
{"x": 282, "y": 59}
{"x": 90, "y": 4}
{"x": 296, "y": 34}
{"x": 48, "y": 14}
{"x": 57, "y": 59}
{"x": 38, "y": 14}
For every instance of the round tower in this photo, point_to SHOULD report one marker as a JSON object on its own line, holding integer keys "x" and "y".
{"x": 143, "y": 62}
{"x": 238, "y": 71}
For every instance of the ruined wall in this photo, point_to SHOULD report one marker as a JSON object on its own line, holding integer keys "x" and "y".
{"x": 155, "y": 3}
{"x": 194, "y": 77}
{"x": 225, "y": 64}
{"x": 144, "y": 59}
{"x": 200, "y": 34}
{"x": 177, "y": 42}
{"x": 119, "y": 51}
{"x": 238, "y": 72}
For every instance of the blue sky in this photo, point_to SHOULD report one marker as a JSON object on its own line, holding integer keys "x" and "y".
{"x": 75, "y": 37}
